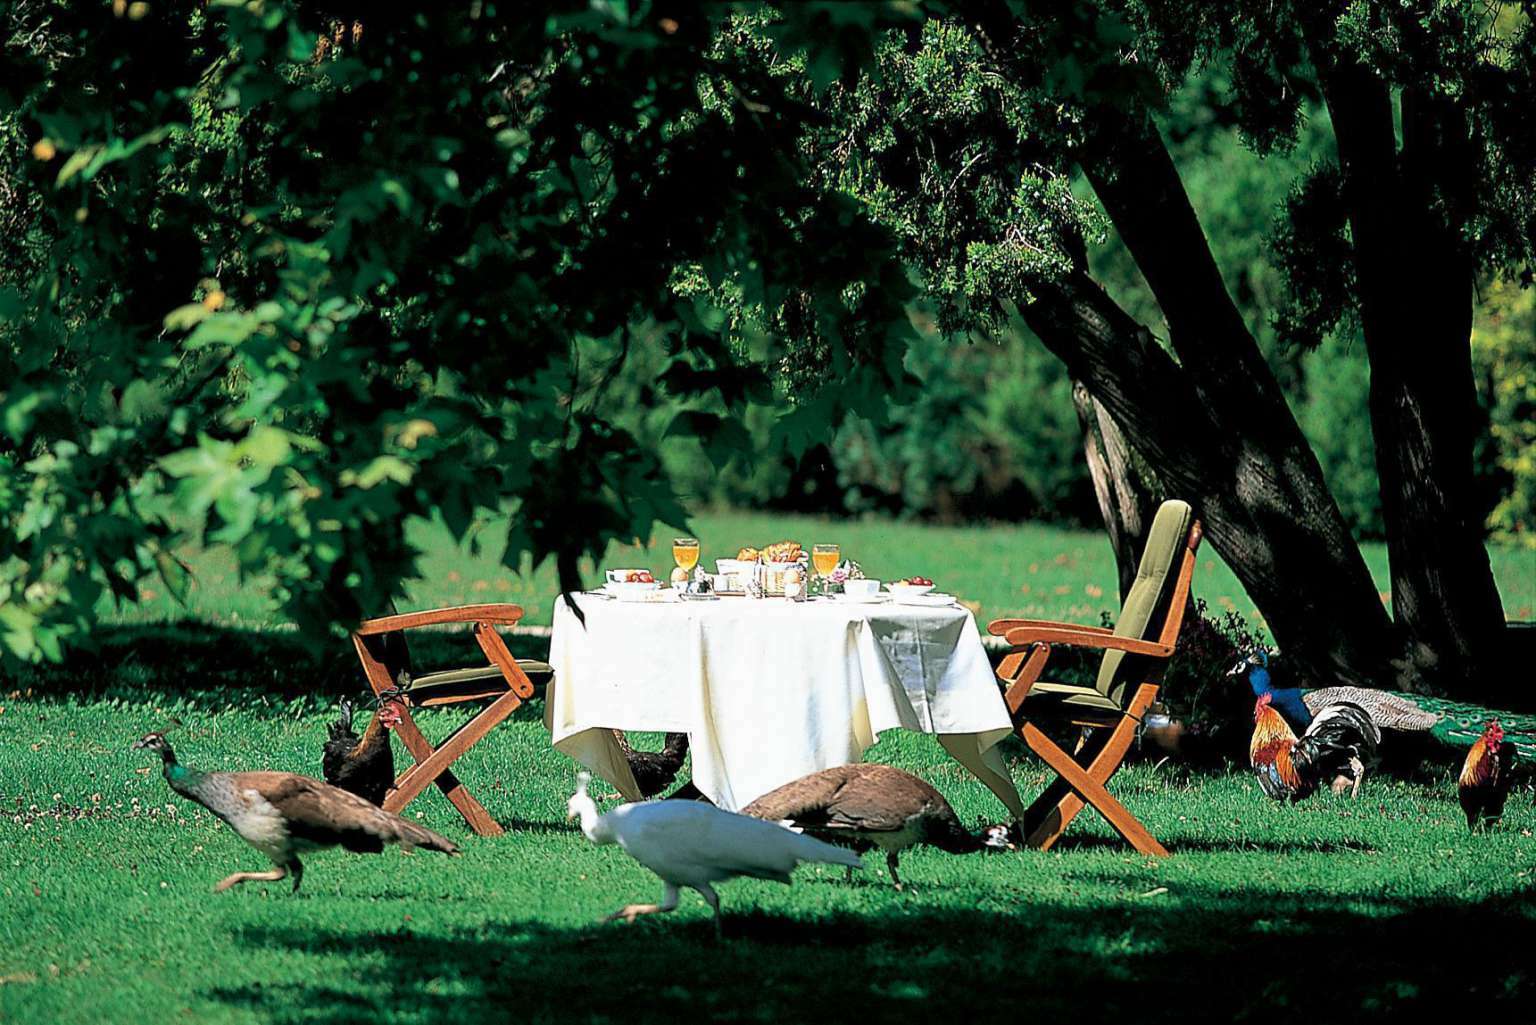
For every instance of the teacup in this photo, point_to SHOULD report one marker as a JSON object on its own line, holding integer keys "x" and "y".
{"x": 861, "y": 588}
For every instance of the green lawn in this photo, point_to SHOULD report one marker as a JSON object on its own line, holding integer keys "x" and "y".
{"x": 1329, "y": 911}
{"x": 1027, "y": 569}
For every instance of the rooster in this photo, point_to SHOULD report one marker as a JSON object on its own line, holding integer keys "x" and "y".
{"x": 1336, "y": 748}
{"x": 363, "y": 766}
{"x": 654, "y": 771}
{"x": 1486, "y": 777}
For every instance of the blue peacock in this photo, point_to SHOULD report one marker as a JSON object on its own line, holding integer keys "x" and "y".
{"x": 1387, "y": 710}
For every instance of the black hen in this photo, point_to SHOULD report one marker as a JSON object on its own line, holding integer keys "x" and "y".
{"x": 1337, "y": 747}
{"x": 654, "y": 771}
{"x": 365, "y": 765}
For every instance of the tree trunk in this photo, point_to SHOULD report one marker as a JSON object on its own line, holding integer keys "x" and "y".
{"x": 1415, "y": 282}
{"x": 1286, "y": 556}
{"x": 1126, "y": 502}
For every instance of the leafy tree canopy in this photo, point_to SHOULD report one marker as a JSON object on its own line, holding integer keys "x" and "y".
{"x": 294, "y": 275}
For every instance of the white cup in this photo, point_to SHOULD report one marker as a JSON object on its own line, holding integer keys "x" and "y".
{"x": 861, "y": 588}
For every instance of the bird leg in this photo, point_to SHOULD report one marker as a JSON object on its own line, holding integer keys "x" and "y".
{"x": 1359, "y": 770}
{"x": 713, "y": 900}
{"x": 630, "y": 912}
{"x": 890, "y": 863}
{"x": 254, "y": 877}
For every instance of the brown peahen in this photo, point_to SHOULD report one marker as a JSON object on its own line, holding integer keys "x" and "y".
{"x": 283, "y": 815}
{"x": 866, "y": 806}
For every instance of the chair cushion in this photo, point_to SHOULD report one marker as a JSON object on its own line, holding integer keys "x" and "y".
{"x": 1046, "y": 693}
{"x": 1148, "y": 595}
{"x": 450, "y": 677}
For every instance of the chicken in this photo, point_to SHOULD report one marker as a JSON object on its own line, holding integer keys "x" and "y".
{"x": 869, "y": 805}
{"x": 1486, "y": 777}
{"x": 654, "y": 771}
{"x": 283, "y": 815}
{"x": 1336, "y": 748}
{"x": 366, "y": 766}
{"x": 687, "y": 843}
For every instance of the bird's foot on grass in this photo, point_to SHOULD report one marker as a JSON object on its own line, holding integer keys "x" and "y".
{"x": 630, "y": 912}
{"x": 235, "y": 879}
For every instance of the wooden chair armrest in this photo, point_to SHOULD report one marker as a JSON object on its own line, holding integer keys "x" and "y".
{"x": 500, "y": 614}
{"x": 1000, "y": 627}
{"x": 1054, "y": 634}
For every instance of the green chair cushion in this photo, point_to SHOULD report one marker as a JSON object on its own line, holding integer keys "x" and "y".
{"x": 1148, "y": 595}
{"x": 1045, "y": 694}
{"x": 452, "y": 677}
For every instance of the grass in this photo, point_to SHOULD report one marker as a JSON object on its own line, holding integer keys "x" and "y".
{"x": 1023, "y": 569}
{"x": 1327, "y": 911}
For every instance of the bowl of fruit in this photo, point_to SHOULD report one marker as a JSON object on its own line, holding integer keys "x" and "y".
{"x": 910, "y": 586}
{"x": 631, "y": 583}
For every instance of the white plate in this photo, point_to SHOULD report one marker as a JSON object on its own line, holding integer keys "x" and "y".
{"x": 626, "y": 590}
{"x": 932, "y": 600}
{"x": 860, "y": 599}
{"x": 652, "y": 595}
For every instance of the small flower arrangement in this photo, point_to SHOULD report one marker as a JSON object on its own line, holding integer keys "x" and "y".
{"x": 844, "y": 571}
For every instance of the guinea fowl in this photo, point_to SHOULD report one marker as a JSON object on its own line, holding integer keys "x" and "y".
{"x": 1336, "y": 748}
{"x": 692, "y": 844}
{"x": 283, "y": 815}
{"x": 1486, "y": 777}
{"x": 867, "y": 806}
{"x": 1387, "y": 710}
{"x": 654, "y": 771}
{"x": 363, "y": 766}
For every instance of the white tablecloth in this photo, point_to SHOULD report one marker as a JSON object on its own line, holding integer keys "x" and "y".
{"x": 770, "y": 690}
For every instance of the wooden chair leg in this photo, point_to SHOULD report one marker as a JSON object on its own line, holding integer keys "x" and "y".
{"x": 432, "y": 767}
{"x": 1051, "y": 813}
{"x": 1092, "y": 791}
{"x": 1054, "y": 810}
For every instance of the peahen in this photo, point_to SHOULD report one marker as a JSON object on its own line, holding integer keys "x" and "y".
{"x": 692, "y": 844}
{"x": 866, "y": 806}
{"x": 283, "y": 815}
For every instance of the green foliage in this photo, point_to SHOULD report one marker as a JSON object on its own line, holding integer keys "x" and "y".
{"x": 303, "y": 280}
{"x": 1504, "y": 359}
{"x": 991, "y": 435}
{"x": 1338, "y": 379}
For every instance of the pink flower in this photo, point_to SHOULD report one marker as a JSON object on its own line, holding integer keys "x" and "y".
{"x": 839, "y": 575}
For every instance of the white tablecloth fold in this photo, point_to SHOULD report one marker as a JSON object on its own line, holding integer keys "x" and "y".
{"x": 770, "y": 690}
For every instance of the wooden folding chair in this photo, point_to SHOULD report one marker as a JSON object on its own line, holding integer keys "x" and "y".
{"x": 504, "y": 681}
{"x": 1136, "y": 652}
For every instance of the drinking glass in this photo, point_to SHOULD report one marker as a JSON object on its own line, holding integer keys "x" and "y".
{"x": 685, "y": 550}
{"x": 824, "y": 559}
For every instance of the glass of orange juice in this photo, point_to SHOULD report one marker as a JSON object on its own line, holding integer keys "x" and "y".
{"x": 824, "y": 559}
{"x": 685, "y": 551}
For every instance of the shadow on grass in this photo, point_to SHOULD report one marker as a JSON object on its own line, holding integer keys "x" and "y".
{"x": 1213, "y": 958}
{"x": 207, "y": 662}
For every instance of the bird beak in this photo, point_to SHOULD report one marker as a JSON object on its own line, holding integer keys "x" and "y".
{"x": 570, "y": 816}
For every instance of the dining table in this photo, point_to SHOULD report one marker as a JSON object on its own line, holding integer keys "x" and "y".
{"x": 772, "y": 689}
